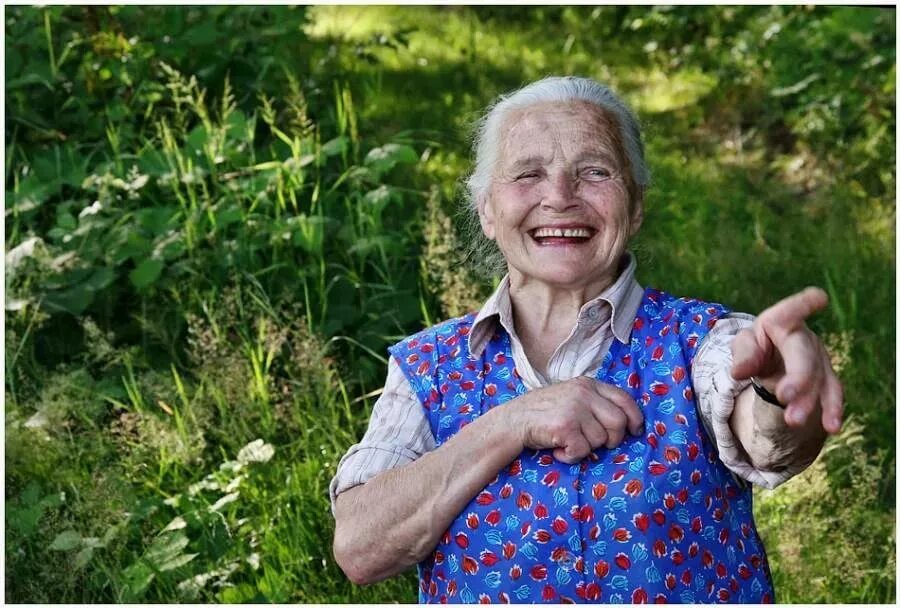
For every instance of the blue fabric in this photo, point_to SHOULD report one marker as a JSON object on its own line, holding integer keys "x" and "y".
{"x": 658, "y": 518}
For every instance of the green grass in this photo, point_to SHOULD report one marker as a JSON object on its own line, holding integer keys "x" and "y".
{"x": 239, "y": 208}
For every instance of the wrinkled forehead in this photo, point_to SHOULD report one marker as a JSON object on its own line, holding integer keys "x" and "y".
{"x": 578, "y": 125}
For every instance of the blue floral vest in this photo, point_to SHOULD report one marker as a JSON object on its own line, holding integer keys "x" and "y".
{"x": 657, "y": 519}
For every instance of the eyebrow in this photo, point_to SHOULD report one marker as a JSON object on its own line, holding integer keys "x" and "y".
{"x": 527, "y": 162}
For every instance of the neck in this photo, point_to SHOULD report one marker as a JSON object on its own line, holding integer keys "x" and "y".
{"x": 544, "y": 315}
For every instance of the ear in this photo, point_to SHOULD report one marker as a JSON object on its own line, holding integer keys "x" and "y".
{"x": 637, "y": 212}
{"x": 486, "y": 217}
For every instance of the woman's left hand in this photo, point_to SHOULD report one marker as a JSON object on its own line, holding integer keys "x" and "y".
{"x": 783, "y": 353}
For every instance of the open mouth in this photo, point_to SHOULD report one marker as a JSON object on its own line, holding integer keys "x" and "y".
{"x": 562, "y": 236}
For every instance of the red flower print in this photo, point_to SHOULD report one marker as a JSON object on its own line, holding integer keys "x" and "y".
{"x": 659, "y": 548}
{"x": 659, "y": 517}
{"x": 672, "y": 454}
{"x": 559, "y": 525}
{"x": 485, "y": 498}
{"x": 633, "y": 487}
{"x": 541, "y": 536}
{"x": 657, "y": 468}
{"x": 550, "y": 478}
{"x": 538, "y": 572}
{"x": 523, "y": 500}
{"x": 469, "y": 565}
{"x": 641, "y": 521}
{"x": 488, "y": 558}
{"x": 509, "y": 549}
{"x": 548, "y": 593}
{"x": 493, "y": 518}
{"x": 659, "y": 388}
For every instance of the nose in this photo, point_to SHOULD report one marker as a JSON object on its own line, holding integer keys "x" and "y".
{"x": 559, "y": 193}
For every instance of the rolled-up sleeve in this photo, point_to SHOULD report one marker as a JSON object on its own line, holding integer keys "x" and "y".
{"x": 716, "y": 393}
{"x": 398, "y": 434}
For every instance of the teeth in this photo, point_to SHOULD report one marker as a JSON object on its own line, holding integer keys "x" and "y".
{"x": 562, "y": 232}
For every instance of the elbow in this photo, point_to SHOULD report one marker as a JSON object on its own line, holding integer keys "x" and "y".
{"x": 351, "y": 560}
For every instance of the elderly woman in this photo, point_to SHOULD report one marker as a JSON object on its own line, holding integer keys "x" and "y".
{"x": 580, "y": 438}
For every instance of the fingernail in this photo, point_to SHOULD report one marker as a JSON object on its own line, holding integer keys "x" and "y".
{"x": 797, "y": 416}
{"x": 836, "y": 423}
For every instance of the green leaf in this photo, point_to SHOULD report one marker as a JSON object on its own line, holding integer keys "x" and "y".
{"x": 66, "y": 541}
{"x": 166, "y": 548}
{"x": 146, "y": 273}
{"x": 136, "y": 579}
{"x": 73, "y": 300}
{"x": 380, "y": 196}
{"x": 157, "y": 220}
{"x": 177, "y": 561}
{"x": 83, "y": 557}
{"x": 100, "y": 279}
{"x": 335, "y": 146}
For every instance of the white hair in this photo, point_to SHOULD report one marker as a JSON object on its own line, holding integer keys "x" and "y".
{"x": 489, "y": 130}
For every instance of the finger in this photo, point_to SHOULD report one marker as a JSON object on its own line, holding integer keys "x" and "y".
{"x": 595, "y": 433}
{"x": 613, "y": 419}
{"x": 626, "y": 405}
{"x": 803, "y": 368}
{"x": 832, "y": 399}
{"x": 749, "y": 357}
{"x": 575, "y": 449}
{"x": 790, "y": 313}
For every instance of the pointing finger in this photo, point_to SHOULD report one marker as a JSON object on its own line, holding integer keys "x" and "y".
{"x": 789, "y": 314}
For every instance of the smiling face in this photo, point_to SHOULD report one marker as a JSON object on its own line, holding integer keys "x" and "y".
{"x": 560, "y": 206}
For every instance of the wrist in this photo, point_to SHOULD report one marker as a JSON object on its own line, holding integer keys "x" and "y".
{"x": 766, "y": 391}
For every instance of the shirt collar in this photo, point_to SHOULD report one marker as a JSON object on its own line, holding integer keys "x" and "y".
{"x": 623, "y": 297}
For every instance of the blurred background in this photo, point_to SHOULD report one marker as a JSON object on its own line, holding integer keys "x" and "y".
{"x": 217, "y": 218}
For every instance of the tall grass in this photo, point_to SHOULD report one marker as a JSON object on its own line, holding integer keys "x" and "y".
{"x": 217, "y": 219}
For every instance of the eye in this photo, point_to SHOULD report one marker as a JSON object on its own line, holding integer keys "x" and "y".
{"x": 596, "y": 173}
{"x": 527, "y": 176}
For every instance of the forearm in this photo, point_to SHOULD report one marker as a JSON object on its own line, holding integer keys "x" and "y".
{"x": 395, "y": 519}
{"x": 770, "y": 444}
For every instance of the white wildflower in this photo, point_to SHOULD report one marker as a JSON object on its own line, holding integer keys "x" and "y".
{"x": 228, "y": 498}
{"x": 176, "y": 524}
{"x": 256, "y": 451}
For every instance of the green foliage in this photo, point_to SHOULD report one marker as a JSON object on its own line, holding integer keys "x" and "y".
{"x": 217, "y": 218}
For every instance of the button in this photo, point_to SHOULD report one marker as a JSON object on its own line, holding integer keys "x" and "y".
{"x": 593, "y": 312}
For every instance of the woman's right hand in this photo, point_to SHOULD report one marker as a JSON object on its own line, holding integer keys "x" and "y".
{"x": 574, "y": 418}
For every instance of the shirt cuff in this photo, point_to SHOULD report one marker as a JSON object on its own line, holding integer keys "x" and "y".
{"x": 363, "y": 462}
{"x": 716, "y": 393}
